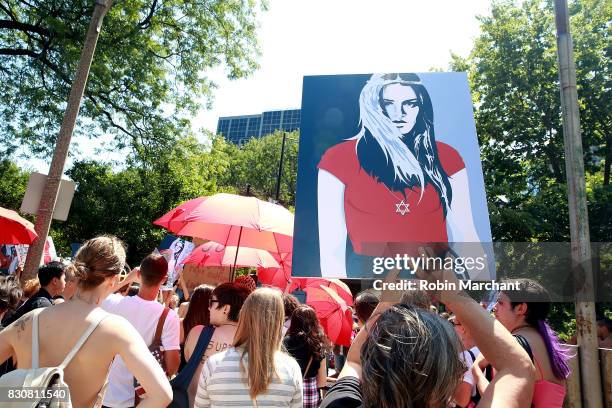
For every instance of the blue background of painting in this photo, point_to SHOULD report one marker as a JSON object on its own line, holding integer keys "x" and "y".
{"x": 330, "y": 114}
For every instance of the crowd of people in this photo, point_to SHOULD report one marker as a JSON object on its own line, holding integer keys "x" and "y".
{"x": 243, "y": 346}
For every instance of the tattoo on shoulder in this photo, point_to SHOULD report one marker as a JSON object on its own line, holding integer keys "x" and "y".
{"x": 20, "y": 324}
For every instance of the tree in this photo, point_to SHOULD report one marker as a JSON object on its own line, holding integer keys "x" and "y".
{"x": 514, "y": 79}
{"x": 126, "y": 202}
{"x": 513, "y": 75}
{"x": 148, "y": 76}
{"x": 256, "y": 164}
{"x": 13, "y": 184}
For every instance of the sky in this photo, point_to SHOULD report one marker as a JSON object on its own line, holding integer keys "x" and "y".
{"x": 318, "y": 37}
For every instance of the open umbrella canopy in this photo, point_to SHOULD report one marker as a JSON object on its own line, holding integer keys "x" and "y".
{"x": 174, "y": 219}
{"x": 15, "y": 229}
{"x": 233, "y": 220}
{"x": 336, "y": 285}
{"x": 215, "y": 254}
{"x": 278, "y": 277}
{"x": 333, "y": 313}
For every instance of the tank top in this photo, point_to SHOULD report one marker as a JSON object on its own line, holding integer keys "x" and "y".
{"x": 546, "y": 394}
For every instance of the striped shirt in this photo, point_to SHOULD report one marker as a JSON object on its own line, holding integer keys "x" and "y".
{"x": 223, "y": 384}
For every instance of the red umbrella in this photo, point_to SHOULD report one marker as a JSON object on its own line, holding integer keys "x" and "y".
{"x": 277, "y": 277}
{"x": 15, "y": 229}
{"x": 333, "y": 313}
{"x": 336, "y": 285}
{"x": 174, "y": 219}
{"x": 215, "y": 254}
{"x": 235, "y": 220}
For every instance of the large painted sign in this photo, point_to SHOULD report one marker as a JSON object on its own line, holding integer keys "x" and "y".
{"x": 388, "y": 163}
{"x": 175, "y": 250}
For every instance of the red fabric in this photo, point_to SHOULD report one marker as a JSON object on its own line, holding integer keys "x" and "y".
{"x": 336, "y": 285}
{"x": 276, "y": 277}
{"x": 547, "y": 394}
{"x": 374, "y": 227}
{"x": 214, "y": 254}
{"x": 333, "y": 313}
{"x": 14, "y": 229}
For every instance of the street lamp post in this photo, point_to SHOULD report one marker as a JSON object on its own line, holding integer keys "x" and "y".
{"x": 280, "y": 167}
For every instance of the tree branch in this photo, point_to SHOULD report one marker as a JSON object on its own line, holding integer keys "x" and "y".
{"x": 8, "y": 12}
{"x": 146, "y": 23}
{"x": 16, "y": 25}
{"x": 19, "y": 51}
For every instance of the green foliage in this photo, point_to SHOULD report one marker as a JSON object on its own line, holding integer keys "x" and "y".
{"x": 256, "y": 163}
{"x": 148, "y": 74}
{"x": 124, "y": 202}
{"x": 13, "y": 183}
{"x": 513, "y": 75}
{"x": 562, "y": 319}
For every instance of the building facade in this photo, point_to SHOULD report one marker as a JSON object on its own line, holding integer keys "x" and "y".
{"x": 239, "y": 129}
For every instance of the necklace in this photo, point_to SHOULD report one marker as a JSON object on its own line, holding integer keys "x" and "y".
{"x": 401, "y": 207}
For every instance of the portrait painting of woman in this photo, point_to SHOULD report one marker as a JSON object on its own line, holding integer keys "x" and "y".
{"x": 392, "y": 186}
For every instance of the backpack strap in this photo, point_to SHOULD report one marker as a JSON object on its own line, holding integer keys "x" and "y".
{"x": 160, "y": 326}
{"x": 96, "y": 321}
{"x": 35, "y": 350}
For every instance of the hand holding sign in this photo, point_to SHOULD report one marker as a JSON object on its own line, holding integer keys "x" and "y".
{"x": 442, "y": 283}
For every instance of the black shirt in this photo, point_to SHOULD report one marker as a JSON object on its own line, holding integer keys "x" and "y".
{"x": 298, "y": 350}
{"x": 345, "y": 393}
{"x": 42, "y": 298}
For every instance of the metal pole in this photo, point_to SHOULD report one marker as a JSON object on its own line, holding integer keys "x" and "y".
{"x": 49, "y": 195}
{"x": 236, "y": 257}
{"x": 579, "y": 225}
{"x": 280, "y": 167}
{"x": 233, "y": 269}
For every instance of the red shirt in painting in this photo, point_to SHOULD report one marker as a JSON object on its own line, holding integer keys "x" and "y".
{"x": 373, "y": 212}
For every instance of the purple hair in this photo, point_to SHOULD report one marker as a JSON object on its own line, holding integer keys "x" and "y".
{"x": 559, "y": 354}
{"x": 538, "y": 306}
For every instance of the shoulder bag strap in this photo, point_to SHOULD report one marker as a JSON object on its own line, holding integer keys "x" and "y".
{"x": 472, "y": 355}
{"x": 186, "y": 375}
{"x": 160, "y": 326}
{"x": 96, "y": 321}
{"x": 307, "y": 367}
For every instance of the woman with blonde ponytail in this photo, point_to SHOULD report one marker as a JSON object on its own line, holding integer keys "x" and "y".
{"x": 80, "y": 326}
{"x": 255, "y": 372}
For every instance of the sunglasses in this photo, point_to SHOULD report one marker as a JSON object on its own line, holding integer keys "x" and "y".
{"x": 410, "y": 77}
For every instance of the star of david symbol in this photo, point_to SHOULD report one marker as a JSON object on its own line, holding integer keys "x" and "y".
{"x": 402, "y": 208}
